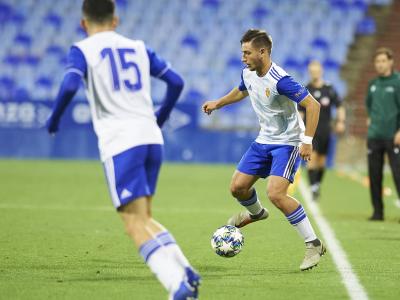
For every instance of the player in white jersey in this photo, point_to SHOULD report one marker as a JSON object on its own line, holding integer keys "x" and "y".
{"x": 116, "y": 71}
{"x": 275, "y": 152}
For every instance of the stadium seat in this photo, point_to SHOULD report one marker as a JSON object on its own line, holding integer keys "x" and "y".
{"x": 31, "y": 36}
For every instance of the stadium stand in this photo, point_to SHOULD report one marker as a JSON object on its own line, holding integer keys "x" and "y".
{"x": 35, "y": 40}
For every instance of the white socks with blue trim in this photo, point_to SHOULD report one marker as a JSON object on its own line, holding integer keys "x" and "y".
{"x": 300, "y": 221}
{"x": 167, "y": 240}
{"x": 167, "y": 270}
{"x": 253, "y": 204}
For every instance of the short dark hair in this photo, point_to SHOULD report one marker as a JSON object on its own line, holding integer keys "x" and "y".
{"x": 98, "y": 11}
{"x": 259, "y": 38}
{"x": 383, "y": 50}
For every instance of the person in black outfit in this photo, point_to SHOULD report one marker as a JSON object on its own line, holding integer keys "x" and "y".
{"x": 326, "y": 95}
{"x": 383, "y": 107}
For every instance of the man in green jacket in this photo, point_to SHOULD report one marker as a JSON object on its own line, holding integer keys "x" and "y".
{"x": 383, "y": 107}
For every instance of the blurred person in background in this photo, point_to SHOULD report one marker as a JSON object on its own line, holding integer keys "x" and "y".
{"x": 329, "y": 100}
{"x": 383, "y": 108}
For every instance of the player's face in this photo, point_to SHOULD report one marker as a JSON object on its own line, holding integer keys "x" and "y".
{"x": 383, "y": 65}
{"x": 315, "y": 71}
{"x": 251, "y": 56}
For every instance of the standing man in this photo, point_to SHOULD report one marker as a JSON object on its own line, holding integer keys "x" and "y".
{"x": 383, "y": 107}
{"x": 327, "y": 97}
{"x": 275, "y": 152}
{"x": 116, "y": 71}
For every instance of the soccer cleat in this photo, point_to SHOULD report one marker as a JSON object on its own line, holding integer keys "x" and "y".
{"x": 194, "y": 280}
{"x": 314, "y": 251}
{"x": 184, "y": 292}
{"x": 189, "y": 288}
{"x": 315, "y": 196}
{"x": 243, "y": 218}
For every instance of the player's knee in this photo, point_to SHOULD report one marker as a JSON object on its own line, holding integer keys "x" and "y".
{"x": 238, "y": 191}
{"x": 276, "y": 197}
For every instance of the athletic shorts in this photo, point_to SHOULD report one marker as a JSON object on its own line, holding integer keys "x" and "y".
{"x": 133, "y": 173}
{"x": 267, "y": 159}
{"x": 321, "y": 142}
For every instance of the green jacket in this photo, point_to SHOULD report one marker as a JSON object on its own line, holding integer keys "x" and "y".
{"x": 383, "y": 107}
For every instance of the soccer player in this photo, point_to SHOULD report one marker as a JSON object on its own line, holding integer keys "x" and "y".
{"x": 327, "y": 97}
{"x": 383, "y": 107}
{"x": 116, "y": 71}
{"x": 275, "y": 152}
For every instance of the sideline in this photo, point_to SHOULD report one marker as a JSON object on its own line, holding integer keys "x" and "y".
{"x": 350, "y": 280}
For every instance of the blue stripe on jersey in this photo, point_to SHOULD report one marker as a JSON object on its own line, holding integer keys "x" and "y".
{"x": 158, "y": 66}
{"x": 76, "y": 61}
{"x": 290, "y": 88}
{"x": 275, "y": 72}
{"x": 242, "y": 86}
{"x": 274, "y": 76}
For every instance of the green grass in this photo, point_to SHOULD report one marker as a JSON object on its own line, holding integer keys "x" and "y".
{"x": 61, "y": 239}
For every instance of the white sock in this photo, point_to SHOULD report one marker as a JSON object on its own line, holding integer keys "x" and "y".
{"x": 167, "y": 271}
{"x": 167, "y": 240}
{"x": 253, "y": 204}
{"x": 300, "y": 221}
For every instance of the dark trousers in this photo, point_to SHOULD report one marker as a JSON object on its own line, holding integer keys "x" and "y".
{"x": 376, "y": 150}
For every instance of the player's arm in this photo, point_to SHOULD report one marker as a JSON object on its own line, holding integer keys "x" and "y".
{"x": 235, "y": 95}
{"x": 368, "y": 103}
{"x": 296, "y": 92}
{"x": 76, "y": 69}
{"x": 396, "y": 139}
{"x": 340, "y": 121}
{"x": 160, "y": 69}
{"x": 312, "y": 108}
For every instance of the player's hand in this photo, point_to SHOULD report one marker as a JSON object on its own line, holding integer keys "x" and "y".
{"x": 210, "y": 106}
{"x": 340, "y": 127}
{"x": 396, "y": 140}
{"x": 52, "y": 126}
{"x": 305, "y": 151}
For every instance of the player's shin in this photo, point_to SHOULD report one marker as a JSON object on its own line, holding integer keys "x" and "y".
{"x": 161, "y": 265}
{"x": 253, "y": 204}
{"x": 300, "y": 221}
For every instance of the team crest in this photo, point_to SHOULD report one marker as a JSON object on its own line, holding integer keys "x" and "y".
{"x": 267, "y": 92}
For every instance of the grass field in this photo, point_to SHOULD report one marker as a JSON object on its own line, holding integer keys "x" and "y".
{"x": 61, "y": 239}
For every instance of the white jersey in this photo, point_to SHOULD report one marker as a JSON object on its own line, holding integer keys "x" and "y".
{"x": 118, "y": 90}
{"x": 278, "y": 116}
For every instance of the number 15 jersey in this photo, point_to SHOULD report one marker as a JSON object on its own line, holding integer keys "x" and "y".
{"x": 116, "y": 71}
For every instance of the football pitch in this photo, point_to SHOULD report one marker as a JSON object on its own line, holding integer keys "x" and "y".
{"x": 60, "y": 238}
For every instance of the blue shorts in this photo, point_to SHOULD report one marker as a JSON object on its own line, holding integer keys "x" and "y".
{"x": 133, "y": 173}
{"x": 264, "y": 160}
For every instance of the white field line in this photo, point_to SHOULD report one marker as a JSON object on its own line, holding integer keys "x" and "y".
{"x": 350, "y": 280}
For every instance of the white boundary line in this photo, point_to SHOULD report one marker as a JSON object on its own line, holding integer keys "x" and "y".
{"x": 353, "y": 286}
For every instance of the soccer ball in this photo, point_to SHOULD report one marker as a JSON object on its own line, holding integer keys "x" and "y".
{"x": 227, "y": 241}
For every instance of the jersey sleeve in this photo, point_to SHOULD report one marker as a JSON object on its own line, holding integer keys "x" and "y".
{"x": 242, "y": 86}
{"x": 158, "y": 66}
{"x": 290, "y": 88}
{"x": 76, "y": 62}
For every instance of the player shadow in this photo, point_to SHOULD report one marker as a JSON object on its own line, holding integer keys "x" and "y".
{"x": 96, "y": 278}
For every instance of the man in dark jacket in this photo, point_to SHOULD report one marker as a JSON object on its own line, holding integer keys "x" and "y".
{"x": 383, "y": 107}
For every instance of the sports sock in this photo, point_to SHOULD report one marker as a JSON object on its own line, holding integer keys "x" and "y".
{"x": 320, "y": 175}
{"x": 300, "y": 221}
{"x": 167, "y": 271}
{"x": 312, "y": 176}
{"x": 168, "y": 242}
{"x": 253, "y": 204}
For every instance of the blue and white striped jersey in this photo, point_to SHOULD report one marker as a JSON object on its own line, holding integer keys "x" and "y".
{"x": 279, "y": 119}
